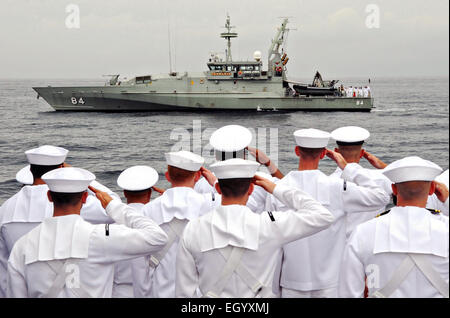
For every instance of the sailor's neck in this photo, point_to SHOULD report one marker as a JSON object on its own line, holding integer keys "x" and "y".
{"x": 308, "y": 165}
{"x": 183, "y": 185}
{"x": 38, "y": 181}
{"x": 138, "y": 201}
{"x": 64, "y": 211}
{"x": 234, "y": 201}
{"x": 411, "y": 203}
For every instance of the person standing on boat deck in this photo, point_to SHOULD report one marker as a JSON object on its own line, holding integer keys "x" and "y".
{"x": 66, "y": 256}
{"x": 350, "y": 140}
{"x": 403, "y": 252}
{"x": 349, "y": 91}
{"x": 231, "y": 251}
{"x": 233, "y": 141}
{"x": 27, "y": 208}
{"x": 154, "y": 275}
{"x": 320, "y": 254}
{"x": 137, "y": 183}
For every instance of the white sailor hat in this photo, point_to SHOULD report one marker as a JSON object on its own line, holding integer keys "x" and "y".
{"x": 230, "y": 138}
{"x": 311, "y": 138}
{"x": 412, "y": 169}
{"x": 184, "y": 160}
{"x": 350, "y": 135}
{"x": 235, "y": 168}
{"x": 68, "y": 180}
{"x": 137, "y": 178}
{"x": 25, "y": 176}
{"x": 46, "y": 155}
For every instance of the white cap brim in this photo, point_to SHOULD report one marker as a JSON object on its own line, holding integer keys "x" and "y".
{"x": 184, "y": 160}
{"x": 350, "y": 134}
{"x": 412, "y": 169}
{"x": 46, "y": 155}
{"x": 68, "y": 180}
{"x": 25, "y": 176}
{"x": 311, "y": 138}
{"x": 138, "y": 178}
{"x": 231, "y": 138}
{"x": 235, "y": 168}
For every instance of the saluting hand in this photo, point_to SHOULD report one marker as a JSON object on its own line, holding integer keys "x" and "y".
{"x": 103, "y": 197}
{"x": 159, "y": 190}
{"x": 209, "y": 176}
{"x": 374, "y": 160}
{"x": 268, "y": 185}
{"x": 337, "y": 157}
{"x": 441, "y": 191}
{"x": 260, "y": 156}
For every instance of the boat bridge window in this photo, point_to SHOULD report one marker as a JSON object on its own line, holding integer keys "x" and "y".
{"x": 143, "y": 79}
{"x": 216, "y": 67}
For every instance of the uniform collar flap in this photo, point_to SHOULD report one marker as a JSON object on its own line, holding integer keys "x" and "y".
{"x": 30, "y": 204}
{"x": 234, "y": 225}
{"x": 180, "y": 202}
{"x": 59, "y": 238}
{"x": 412, "y": 230}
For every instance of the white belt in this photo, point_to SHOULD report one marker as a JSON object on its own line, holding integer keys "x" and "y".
{"x": 175, "y": 230}
{"x": 60, "y": 281}
{"x": 234, "y": 265}
{"x": 400, "y": 274}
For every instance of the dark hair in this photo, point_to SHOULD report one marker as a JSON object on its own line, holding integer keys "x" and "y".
{"x": 310, "y": 153}
{"x": 355, "y": 143}
{"x": 38, "y": 171}
{"x": 179, "y": 175}
{"x": 137, "y": 194}
{"x": 234, "y": 188}
{"x": 63, "y": 199}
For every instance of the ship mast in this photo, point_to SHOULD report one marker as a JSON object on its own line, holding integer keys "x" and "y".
{"x": 228, "y": 35}
{"x": 274, "y": 54}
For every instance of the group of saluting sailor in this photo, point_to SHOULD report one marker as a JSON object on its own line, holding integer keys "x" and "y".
{"x": 355, "y": 91}
{"x": 230, "y": 230}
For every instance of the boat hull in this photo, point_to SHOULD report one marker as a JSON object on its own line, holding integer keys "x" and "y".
{"x": 105, "y": 98}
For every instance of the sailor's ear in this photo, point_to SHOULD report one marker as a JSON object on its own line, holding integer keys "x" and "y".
{"x": 251, "y": 188}
{"x": 432, "y": 188}
{"x": 394, "y": 189}
{"x": 198, "y": 175}
{"x": 336, "y": 150}
{"x": 84, "y": 197}
{"x": 297, "y": 151}
{"x": 217, "y": 186}
{"x": 167, "y": 176}
{"x": 49, "y": 196}
{"x": 323, "y": 153}
{"x": 361, "y": 154}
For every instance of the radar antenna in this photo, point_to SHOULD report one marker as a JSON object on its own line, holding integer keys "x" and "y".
{"x": 228, "y": 36}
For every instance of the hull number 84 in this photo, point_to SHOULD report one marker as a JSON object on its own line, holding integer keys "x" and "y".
{"x": 76, "y": 101}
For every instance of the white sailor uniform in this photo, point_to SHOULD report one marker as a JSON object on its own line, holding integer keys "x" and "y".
{"x": 123, "y": 272}
{"x": 354, "y": 219}
{"x": 66, "y": 256}
{"x": 28, "y": 208}
{"x": 403, "y": 253}
{"x": 154, "y": 276}
{"x": 257, "y": 200}
{"x": 320, "y": 254}
{"x": 233, "y": 252}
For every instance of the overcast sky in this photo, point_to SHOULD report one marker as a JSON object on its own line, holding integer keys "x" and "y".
{"x": 131, "y": 37}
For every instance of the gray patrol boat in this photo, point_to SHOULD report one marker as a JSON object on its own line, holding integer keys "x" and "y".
{"x": 226, "y": 85}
